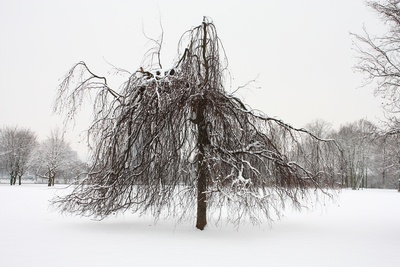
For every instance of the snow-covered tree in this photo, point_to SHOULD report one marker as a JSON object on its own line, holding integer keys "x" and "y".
{"x": 319, "y": 154}
{"x": 174, "y": 142}
{"x": 386, "y": 161}
{"x": 16, "y": 146}
{"x": 357, "y": 140}
{"x": 54, "y": 158}
{"x": 379, "y": 58}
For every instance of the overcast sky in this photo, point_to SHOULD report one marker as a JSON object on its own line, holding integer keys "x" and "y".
{"x": 300, "y": 50}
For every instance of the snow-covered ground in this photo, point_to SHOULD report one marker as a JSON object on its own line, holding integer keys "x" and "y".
{"x": 361, "y": 229}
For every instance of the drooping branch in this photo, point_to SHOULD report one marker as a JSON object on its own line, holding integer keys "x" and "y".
{"x": 72, "y": 92}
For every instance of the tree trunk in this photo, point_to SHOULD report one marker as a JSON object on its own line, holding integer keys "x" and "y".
{"x": 19, "y": 179}
{"x": 202, "y": 170}
{"x": 203, "y": 141}
{"x": 52, "y": 177}
{"x": 51, "y": 181}
{"x": 399, "y": 185}
{"x": 13, "y": 179}
{"x": 201, "y": 195}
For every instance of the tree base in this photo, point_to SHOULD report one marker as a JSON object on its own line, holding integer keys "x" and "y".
{"x": 201, "y": 225}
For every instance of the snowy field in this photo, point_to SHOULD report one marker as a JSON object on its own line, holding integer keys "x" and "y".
{"x": 362, "y": 228}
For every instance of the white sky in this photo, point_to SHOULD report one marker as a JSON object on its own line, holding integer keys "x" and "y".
{"x": 301, "y": 50}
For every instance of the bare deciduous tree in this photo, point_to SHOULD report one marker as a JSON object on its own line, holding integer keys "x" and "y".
{"x": 16, "y": 146}
{"x": 54, "y": 158}
{"x": 386, "y": 161}
{"x": 175, "y": 143}
{"x": 326, "y": 156}
{"x": 379, "y": 56}
{"x": 357, "y": 140}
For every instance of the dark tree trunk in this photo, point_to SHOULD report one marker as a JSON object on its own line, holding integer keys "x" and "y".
{"x": 201, "y": 195}
{"x": 51, "y": 181}
{"x": 203, "y": 141}
{"x": 19, "y": 179}
{"x": 52, "y": 177}
{"x": 202, "y": 171}
{"x": 13, "y": 179}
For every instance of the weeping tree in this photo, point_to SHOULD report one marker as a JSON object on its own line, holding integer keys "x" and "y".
{"x": 175, "y": 143}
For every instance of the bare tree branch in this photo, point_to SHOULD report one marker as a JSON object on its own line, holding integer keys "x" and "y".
{"x": 379, "y": 57}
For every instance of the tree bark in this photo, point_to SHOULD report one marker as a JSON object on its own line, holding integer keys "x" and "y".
{"x": 201, "y": 195}
{"x": 203, "y": 141}
{"x": 202, "y": 170}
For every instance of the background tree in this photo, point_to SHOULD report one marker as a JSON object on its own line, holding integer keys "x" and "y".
{"x": 173, "y": 142}
{"x": 327, "y": 156}
{"x": 379, "y": 60}
{"x": 54, "y": 158}
{"x": 16, "y": 146}
{"x": 357, "y": 140}
{"x": 393, "y": 161}
{"x": 386, "y": 161}
{"x": 371, "y": 156}
{"x": 379, "y": 57}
